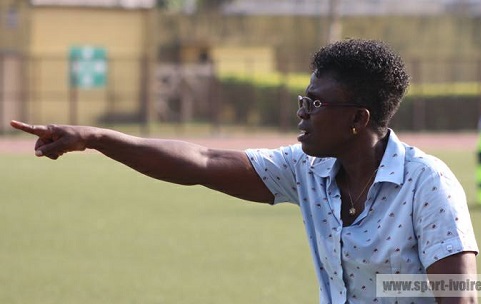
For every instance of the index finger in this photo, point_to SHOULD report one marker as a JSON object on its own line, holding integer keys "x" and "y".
{"x": 32, "y": 129}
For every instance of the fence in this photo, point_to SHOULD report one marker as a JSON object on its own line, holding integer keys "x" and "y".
{"x": 444, "y": 95}
{"x": 42, "y": 91}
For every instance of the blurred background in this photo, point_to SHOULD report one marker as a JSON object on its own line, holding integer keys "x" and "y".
{"x": 218, "y": 63}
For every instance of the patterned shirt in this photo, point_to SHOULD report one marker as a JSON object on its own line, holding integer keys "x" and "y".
{"x": 415, "y": 214}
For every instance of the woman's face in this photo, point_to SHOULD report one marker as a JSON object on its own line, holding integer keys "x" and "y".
{"x": 326, "y": 131}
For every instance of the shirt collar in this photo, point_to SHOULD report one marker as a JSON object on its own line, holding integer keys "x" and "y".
{"x": 391, "y": 168}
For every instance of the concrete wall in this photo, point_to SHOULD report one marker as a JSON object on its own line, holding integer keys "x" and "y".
{"x": 54, "y": 30}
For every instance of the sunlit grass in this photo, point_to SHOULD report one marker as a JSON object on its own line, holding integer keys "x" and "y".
{"x": 87, "y": 230}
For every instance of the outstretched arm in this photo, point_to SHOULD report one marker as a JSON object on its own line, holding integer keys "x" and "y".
{"x": 174, "y": 161}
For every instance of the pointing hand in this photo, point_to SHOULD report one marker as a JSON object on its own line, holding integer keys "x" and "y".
{"x": 53, "y": 140}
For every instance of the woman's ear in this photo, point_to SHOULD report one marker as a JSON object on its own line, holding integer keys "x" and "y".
{"x": 361, "y": 118}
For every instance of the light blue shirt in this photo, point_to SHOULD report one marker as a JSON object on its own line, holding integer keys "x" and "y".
{"x": 415, "y": 214}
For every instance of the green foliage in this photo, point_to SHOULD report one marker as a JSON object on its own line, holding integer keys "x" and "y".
{"x": 427, "y": 106}
{"x": 207, "y": 5}
{"x": 458, "y": 89}
{"x": 297, "y": 82}
{"x": 171, "y": 4}
{"x": 294, "y": 81}
{"x": 260, "y": 104}
{"x": 161, "y": 3}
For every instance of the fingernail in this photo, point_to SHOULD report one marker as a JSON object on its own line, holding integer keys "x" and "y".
{"x": 38, "y": 153}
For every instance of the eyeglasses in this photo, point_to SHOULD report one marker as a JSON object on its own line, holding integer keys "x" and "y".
{"x": 309, "y": 105}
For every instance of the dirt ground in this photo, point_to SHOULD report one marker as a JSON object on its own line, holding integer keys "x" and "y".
{"x": 425, "y": 141}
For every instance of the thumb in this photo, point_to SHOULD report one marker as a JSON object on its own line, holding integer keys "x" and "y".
{"x": 51, "y": 149}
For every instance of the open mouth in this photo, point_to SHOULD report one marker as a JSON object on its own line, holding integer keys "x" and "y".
{"x": 303, "y": 135}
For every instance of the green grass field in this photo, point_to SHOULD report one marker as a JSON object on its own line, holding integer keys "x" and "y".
{"x": 85, "y": 229}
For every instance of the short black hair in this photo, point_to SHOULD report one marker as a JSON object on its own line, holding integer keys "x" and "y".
{"x": 372, "y": 73}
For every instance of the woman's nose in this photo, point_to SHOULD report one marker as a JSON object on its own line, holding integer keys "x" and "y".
{"x": 302, "y": 113}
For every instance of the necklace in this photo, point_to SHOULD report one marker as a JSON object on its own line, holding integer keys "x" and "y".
{"x": 352, "y": 210}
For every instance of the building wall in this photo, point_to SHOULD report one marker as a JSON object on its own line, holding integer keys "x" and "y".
{"x": 54, "y": 30}
{"x": 13, "y": 37}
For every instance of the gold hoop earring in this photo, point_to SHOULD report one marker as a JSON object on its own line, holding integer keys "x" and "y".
{"x": 354, "y": 131}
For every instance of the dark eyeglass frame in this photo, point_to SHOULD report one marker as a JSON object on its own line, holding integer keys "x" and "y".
{"x": 309, "y": 105}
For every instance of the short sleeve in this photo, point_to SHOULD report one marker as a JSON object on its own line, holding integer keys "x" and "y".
{"x": 276, "y": 167}
{"x": 441, "y": 216}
